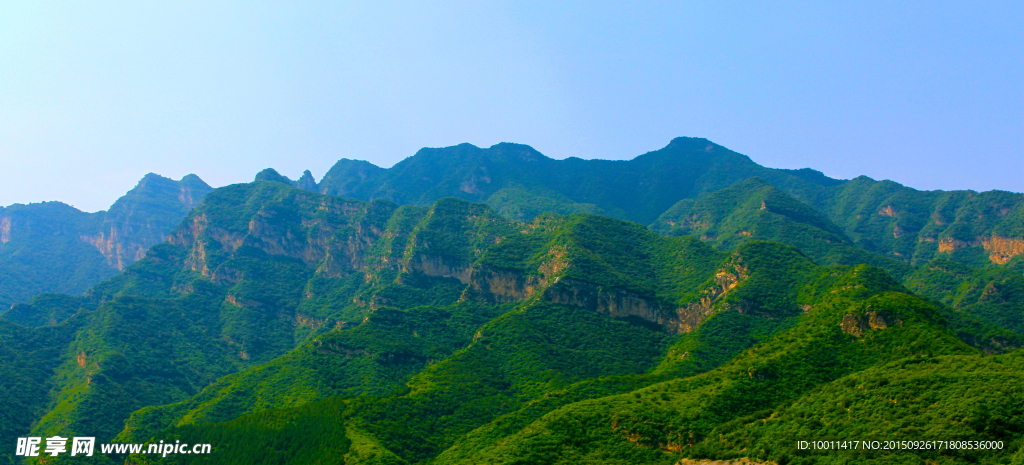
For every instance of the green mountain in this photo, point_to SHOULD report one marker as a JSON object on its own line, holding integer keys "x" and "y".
{"x": 28, "y": 359}
{"x": 285, "y": 325}
{"x": 984, "y": 305}
{"x": 519, "y": 182}
{"x": 756, "y": 210}
{"x": 882, "y": 217}
{"x": 53, "y": 247}
{"x": 547, "y": 383}
{"x": 988, "y": 303}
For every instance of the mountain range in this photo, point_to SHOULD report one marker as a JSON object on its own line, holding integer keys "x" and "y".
{"x": 54, "y": 247}
{"x": 496, "y": 306}
{"x": 658, "y": 189}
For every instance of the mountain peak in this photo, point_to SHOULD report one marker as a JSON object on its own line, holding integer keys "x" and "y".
{"x": 513, "y": 151}
{"x": 193, "y": 180}
{"x": 692, "y": 143}
{"x": 306, "y": 182}
{"x": 271, "y": 174}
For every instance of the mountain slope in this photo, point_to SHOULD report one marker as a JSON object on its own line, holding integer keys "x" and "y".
{"x": 661, "y": 423}
{"x": 882, "y": 217}
{"x": 511, "y": 397}
{"x": 520, "y": 182}
{"x": 452, "y": 334}
{"x": 890, "y": 219}
{"x": 551, "y": 258}
{"x": 53, "y": 247}
{"x": 754, "y": 209}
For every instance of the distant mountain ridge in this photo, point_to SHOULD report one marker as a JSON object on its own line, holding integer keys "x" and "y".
{"x": 520, "y": 183}
{"x": 53, "y": 247}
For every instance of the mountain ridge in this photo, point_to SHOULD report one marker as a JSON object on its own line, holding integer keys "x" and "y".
{"x": 452, "y": 333}
{"x": 54, "y": 247}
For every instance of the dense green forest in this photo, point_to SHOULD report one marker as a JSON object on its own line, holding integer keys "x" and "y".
{"x": 754, "y": 310}
{"x": 657, "y": 188}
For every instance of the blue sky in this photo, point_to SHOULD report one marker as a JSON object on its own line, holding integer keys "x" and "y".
{"x": 93, "y": 95}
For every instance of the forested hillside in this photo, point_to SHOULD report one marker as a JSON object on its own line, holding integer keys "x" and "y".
{"x": 747, "y": 311}
{"x": 883, "y": 217}
{"x": 53, "y": 247}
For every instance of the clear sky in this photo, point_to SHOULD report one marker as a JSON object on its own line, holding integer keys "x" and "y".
{"x": 95, "y": 94}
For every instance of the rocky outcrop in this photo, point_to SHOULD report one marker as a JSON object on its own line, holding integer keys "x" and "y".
{"x": 948, "y": 244}
{"x": 306, "y": 182}
{"x": 857, "y": 325}
{"x": 470, "y": 185}
{"x": 116, "y": 249}
{"x": 436, "y": 266}
{"x": 5, "y": 230}
{"x": 1003, "y": 249}
{"x": 693, "y": 314}
{"x": 621, "y": 303}
{"x": 315, "y": 241}
{"x": 615, "y": 302}
{"x": 490, "y": 285}
{"x": 143, "y": 217}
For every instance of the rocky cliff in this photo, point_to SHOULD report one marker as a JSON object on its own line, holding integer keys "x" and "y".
{"x": 53, "y": 247}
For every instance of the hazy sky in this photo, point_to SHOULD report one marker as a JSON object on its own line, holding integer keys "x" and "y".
{"x": 94, "y": 95}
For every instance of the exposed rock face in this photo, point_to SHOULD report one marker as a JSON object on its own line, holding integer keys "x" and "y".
{"x": 315, "y": 241}
{"x": 887, "y": 211}
{"x": 1003, "y": 249}
{"x": 615, "y": 302}
{"x": 118, "y": 251}
{"x": 619, "y": 303}
{"x": 857, "y": 325}
{"x": 306, "y": 182}
{"x": 948, "y": 244}
{"x": 470, "y": 185}
{"x": 693, "y": 314}
{"x": 5, "y": 230}
{"x": 54, "y": 247}
{"x": 344, "y": 256}
{"x": 436, "y": 266}
{"x": 144, "y": 216}
{"x": 502, "y": 286}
